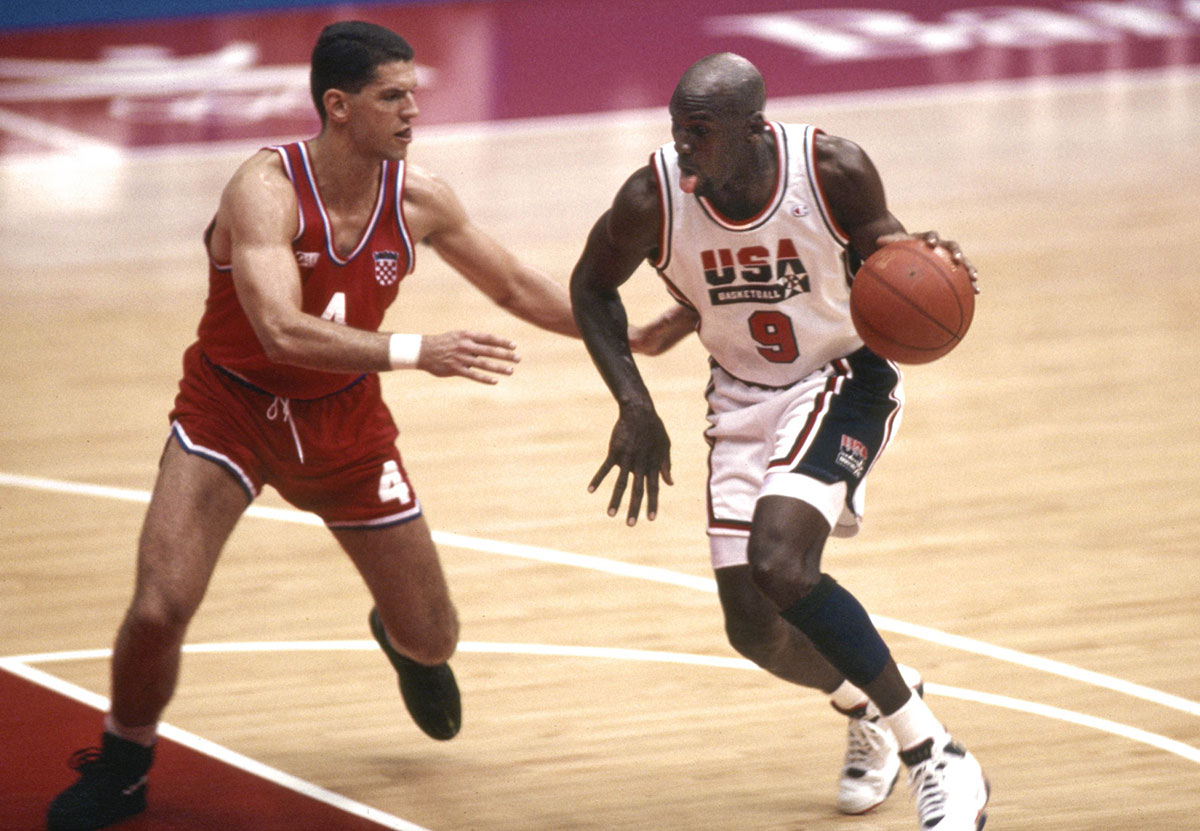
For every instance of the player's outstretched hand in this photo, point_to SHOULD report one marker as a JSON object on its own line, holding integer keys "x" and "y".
{"x": 478, "y": 356}
{"x": 639, "y": 446}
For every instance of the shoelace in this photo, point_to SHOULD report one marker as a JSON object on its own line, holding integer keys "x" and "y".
{"x": 930, "y": 795}
{"x": 864, "y": 741}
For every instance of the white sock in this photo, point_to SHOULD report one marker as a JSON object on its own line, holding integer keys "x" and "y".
{"x": 914, "y": 723}
{"x": 145, "y": 736}
{"x": 847, "y": 696}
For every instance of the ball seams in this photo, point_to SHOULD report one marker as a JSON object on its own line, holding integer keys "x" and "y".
{"x": 927, "y": 324}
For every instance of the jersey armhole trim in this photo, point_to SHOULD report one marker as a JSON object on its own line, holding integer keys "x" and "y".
{"x": 287, "y": 169}
{"x": 810, "y": 162}
{"x": 410, "y": 248}
{"x": 666, "y": 216}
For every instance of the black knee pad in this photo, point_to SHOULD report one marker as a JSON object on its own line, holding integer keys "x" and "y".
{"x": 841, "y": 630}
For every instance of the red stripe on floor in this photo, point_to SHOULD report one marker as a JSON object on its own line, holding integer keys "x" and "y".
{"x": 189, "y": 791}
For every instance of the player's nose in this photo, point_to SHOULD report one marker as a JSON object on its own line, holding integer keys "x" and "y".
{"x": 682, "y": 147}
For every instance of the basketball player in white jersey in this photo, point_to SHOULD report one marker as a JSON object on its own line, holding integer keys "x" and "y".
{"x": 757, "y": 229}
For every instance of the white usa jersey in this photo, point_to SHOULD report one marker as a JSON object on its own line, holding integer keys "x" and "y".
{"x": 773, "y": 291}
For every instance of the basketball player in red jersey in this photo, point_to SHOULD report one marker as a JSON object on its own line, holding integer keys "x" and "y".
{"x": 757, "y": 228}
{"x": 308, "y": 246}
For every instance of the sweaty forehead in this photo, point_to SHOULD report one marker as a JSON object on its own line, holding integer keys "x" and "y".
{"x": 693, "y": 105}
{"x": 705, "y": 102}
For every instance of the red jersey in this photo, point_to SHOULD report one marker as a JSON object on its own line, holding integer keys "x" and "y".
{"x": 355, "y": 290}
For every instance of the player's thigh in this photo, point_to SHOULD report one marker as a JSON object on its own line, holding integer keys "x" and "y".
{"x": 400, "y": 565}
{"x": 193, "y": 509}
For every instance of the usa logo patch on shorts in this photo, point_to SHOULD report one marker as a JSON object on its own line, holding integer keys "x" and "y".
{"x": 852, "y": 455}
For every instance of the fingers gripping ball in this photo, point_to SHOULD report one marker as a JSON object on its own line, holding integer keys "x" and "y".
{"x": 911, "y": 303}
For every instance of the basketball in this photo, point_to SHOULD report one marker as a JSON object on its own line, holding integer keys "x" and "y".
{"x": 911, "y": 303}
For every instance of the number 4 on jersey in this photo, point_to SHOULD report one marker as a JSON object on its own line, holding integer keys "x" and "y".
{"x": 392, "y": 485}
{"x": 336, "y": 310}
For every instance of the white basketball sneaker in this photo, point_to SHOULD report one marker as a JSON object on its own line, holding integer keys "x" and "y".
{"x": 871, "y": 767}
{"x": 872, "y": 763}
{"x": 949, "y": 787}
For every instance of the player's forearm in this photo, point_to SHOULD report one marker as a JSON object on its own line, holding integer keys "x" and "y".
{"x": 313, "y": 343}
{"x": 603, "y": 326}
{"x": 539, "y": 300}
{"x": 664, "y": 331}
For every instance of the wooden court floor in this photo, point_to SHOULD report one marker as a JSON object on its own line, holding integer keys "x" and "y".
{"x": 1031, "y": 537}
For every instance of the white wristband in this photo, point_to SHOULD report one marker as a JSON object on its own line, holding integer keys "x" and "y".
{"x": 403, "y": 351}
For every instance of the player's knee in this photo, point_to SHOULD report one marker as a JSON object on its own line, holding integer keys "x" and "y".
{"x": 435, "y": 643}
{"x": 432, "y": 651}
{"x": 157, "y": 619}
{"x": 778, "y": 568}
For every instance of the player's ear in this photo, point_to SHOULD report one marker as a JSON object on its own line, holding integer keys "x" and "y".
{"x": 337, "y": 105}
{"x": 756, "y": 123}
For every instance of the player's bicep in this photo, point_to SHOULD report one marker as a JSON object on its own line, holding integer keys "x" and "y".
{"x": 607, "y": 260}
{"x": 438, "y": 218}
{"x": 625, "y": 236}
{"x": 855, "y": 193}
{"x": 266, "y": 276}
{"x": 260, "y": 216}
{"x": 476, "y": 255}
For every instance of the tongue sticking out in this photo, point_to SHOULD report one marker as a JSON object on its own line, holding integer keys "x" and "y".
{"x": 687, "y": 182}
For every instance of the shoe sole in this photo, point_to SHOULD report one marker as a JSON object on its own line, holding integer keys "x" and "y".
{"x": 873, "y": 806}
{"x": 59, "y": 818}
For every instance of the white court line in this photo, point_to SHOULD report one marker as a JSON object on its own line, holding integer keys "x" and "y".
{"x": 1046, "y": 711}
{"x": 230, "y": 757}
{"x": 41, "y": 132}
{"x": 661, "y": 575}
{"x": 1035, "y": 662}
{"x": 19, "y": 665}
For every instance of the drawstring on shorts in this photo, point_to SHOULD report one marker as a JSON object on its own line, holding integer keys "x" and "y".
{"x": 283, "y": 406}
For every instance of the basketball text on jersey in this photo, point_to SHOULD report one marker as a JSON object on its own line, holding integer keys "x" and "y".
{"x": 753, "y": 275}
{"x": 772, "y": 290}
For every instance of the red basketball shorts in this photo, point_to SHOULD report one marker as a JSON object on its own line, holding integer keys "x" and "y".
{"x": 335, "y": 456}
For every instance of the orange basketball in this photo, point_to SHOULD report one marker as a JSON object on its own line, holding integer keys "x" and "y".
{"x": 911, "y": 303}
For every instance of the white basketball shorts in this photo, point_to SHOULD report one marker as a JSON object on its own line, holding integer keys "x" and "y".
{"x": 814, "y": 441}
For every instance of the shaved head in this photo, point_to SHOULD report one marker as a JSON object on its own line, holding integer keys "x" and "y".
{"x": 725, "y": 148}
{"x": 725, "y": 83}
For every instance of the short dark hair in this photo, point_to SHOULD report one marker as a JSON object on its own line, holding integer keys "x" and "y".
{"x": 346, "y": 55}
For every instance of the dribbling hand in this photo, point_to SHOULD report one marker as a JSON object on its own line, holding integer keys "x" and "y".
{"x": 934, "y": 240}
